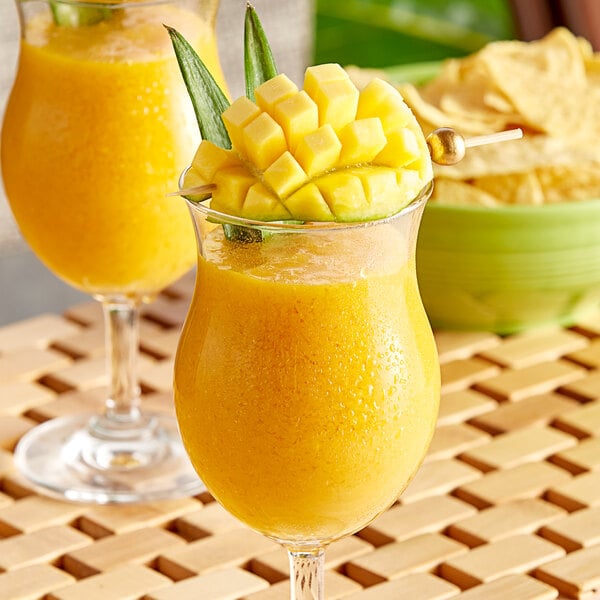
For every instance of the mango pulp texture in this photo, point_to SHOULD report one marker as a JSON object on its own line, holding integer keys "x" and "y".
{"x": 324, "y": 153}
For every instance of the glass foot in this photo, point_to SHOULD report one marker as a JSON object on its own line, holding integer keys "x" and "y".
{"x": 76, "y": 458}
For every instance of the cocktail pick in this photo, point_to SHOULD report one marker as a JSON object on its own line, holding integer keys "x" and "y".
{"x": 196, "y": 190}
{"x": 447, "y": 147}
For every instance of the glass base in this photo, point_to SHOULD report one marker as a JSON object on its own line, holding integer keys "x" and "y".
{"x": 77, "y": 458}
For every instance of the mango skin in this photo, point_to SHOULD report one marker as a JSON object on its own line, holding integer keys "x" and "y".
{"x": 328, "y": 152}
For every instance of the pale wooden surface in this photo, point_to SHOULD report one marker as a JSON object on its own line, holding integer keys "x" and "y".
{"x": 506, "y": 505}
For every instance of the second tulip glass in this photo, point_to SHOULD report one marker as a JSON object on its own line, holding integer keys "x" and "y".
{"x": 306, "y": 379}
{"x": 97, "y": 128}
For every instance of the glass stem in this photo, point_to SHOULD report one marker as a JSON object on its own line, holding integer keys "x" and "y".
{"x": 307, "y": 568}
{"x": 121, "y": 317}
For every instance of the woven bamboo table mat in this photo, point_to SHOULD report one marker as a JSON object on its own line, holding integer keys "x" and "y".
{"x": 505, "y": 507}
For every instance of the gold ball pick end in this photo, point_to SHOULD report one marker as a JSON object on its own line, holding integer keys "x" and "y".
{"x": 446, "y": 147}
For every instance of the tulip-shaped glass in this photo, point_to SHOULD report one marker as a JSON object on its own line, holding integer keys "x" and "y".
{"x": 97, "y": 128}
{"x": 306, "y": 378}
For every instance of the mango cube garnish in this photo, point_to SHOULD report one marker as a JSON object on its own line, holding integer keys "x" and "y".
{"x": 285, "y": 175}
{"x": 308, "y": 204}
{"x": 298, "y": 115}
{"x": 362, "y": 140}
{"x": 319, "y": 151}
{"x": 264, "y": 141}
{"x": 236, "y": 117}
{"x": 274, "y": 91}
{"x": 324, "y": 153}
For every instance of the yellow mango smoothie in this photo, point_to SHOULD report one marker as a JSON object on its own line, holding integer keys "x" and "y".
{"x": 307, "y": 382}
{"x": 97, "y": 130}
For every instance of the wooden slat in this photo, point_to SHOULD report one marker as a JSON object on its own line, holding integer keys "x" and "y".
{"x": 580, "y": 492}
{"x": 517, "y": 384}
{"x": 402, "y": 522}
{"x": 211, "y": 520}
{"x": 515, "y": 448}
{"x": 533, "y": 347}
{"x": 585, "y": 388}
{"x": 417, "y": 586}
{"x": 535, "y": 410}
{"x": 460, "y": 374}
{"x": 89, "y": 342}
{"x": 43, "y": 545}
{"x": 456, "y": 345}
{"x": 138, "y": 547}
{"x": 439, "y": 477}
{"x": 513, "y": 587}
{"x": 19, "y": 397}
{"x": 125, "y": 583}
{"x": 530, "y": 480}
{"x": 420, "y": 553}
{"x": 36, "y": 512}
{"x": 12, "y": 428}
{"x": 232, "y": 548}
{"x": 509, "y": 556}
{"x": 31, "y": 583}
{"x": 505, "y": 520}
{"x": 460, "y": 406}
{"x": 582, "y": 422}
{"x": 576, "y": 575}
{"x": 29, "y": 364}
{"x": 451, "y": 440}
{"x": 36, "y": 332}
{"x": 580, "y": 529}
{"x": 101, "y": 521}
{"x": 589, "y": 356}
{"x": 583, "y": 457}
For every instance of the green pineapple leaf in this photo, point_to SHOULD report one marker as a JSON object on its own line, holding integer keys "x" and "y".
{"x": 208, "y": 99}
{"x": 259, "y": 64}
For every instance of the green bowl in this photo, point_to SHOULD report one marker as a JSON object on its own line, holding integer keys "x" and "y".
{"x": 511, "y": 268}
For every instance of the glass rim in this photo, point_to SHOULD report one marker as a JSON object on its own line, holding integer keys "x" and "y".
{"x": 295, "y": 226}
{"x": 110, "y": 4}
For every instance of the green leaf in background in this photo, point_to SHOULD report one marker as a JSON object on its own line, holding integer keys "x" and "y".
{"x": 259, "y": 64}
{"x": 208, "y": 100}
{"x": 417, "y": 73}
{"x": 67, "y": 14}
{"x": 381, "y": 33}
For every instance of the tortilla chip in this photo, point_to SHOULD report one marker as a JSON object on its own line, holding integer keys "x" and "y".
{"x": 517, "y": 188}
{"x": 540, "y": 79}
{"x": 570, "y": 182}
{"x": 459, "y": 193}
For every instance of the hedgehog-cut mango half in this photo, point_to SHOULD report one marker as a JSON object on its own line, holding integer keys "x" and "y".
{"x": 324, "y": 153}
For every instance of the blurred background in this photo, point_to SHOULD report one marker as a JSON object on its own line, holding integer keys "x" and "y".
{"x": 365, "y": 33}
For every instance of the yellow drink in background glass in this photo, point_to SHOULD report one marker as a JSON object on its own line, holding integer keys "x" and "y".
{"x": 98, "y": 127}
{"x": 306, "y": 379}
